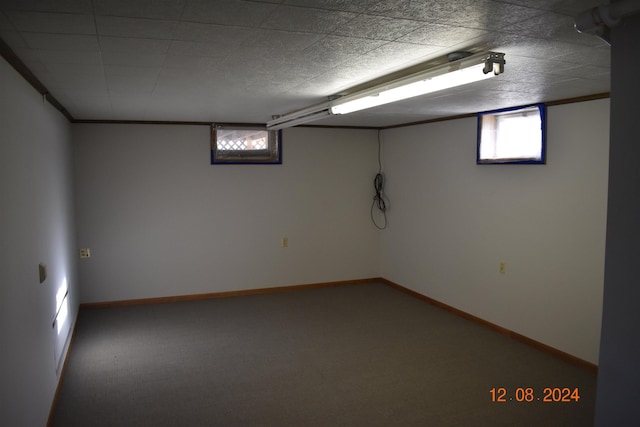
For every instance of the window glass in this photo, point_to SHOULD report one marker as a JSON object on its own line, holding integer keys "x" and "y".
{"x": 514, "y": 135}
{"x": 238, "y": 144}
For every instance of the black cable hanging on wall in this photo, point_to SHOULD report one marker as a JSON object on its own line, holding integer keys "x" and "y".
{"x": 379, "y": 198}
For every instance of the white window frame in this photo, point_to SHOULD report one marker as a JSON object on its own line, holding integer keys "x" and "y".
{"x": 271, "y": 155}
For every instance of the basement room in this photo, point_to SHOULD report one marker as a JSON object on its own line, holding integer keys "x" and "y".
{"x": 319, "y": 212}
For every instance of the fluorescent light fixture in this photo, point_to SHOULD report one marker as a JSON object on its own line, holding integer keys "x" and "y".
{"x": 457, "y": 73}
{"x": 469, "y": 69}
{"x": 299, "y": 117}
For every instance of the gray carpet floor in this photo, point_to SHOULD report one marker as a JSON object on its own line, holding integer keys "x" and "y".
{"x": 357, "y": 355}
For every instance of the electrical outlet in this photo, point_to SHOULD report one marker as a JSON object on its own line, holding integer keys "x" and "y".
{"x": 85, "y": 253}
{"x": 503, "y": 267}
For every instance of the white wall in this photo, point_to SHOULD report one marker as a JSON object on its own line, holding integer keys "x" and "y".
{"x": 161, "y": 221}
{"x": 36, "y": 225}
{"x": 451, "y": 222}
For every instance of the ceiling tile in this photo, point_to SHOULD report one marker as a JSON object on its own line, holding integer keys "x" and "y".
{"x": 174, "y": 81}
{"x": 378, "y": 27}
{"x": 80, "y": 99}
{"x": 80, "y": 84}
{"x": 189, "y": 75}
{"x": 554, "y": 26}
{"x": 130, "y": 84}
{"x": 530, "y": 47}
{"x": 486, "y": 14}
{"x": 224, "y": 36}
{"x": 133, "y": 59}
{"x": 134, "y": 103}
{"x": 151, "y": 9}
{"x": 228, "y": 12}
{"x": 128, "y": 107}
{"x": 280, "y": 40}
{"x": 134, "y": 72}
{"x": 13, "y": 39}
{"x": 425, "y": 10}
{"x": 262, "y": 57}
{"x": 587, "y": 56}
{"x": 514, "y": 86}
{"x": 58, "y": 68}
{"x": 306, "y": 19}
{"x": 522, "y": 82}
{"x": 91, "y": 107}
{"x": 535, "y": 4}
{"x": 135, "y": 27}
{"x": 346, "y": 45}
{"x": 69, "y": 57}
{"x": 57, "y": 23}
{"x": 393, "y": 56}
{"x": 324, "y": 58}
{"x": 575, "y": 7}
{"x": 599, "y": 86}
{"x": 351, "y": 76}
{"x": 190, "y": 61}
{"x": 262, "y": 70}
{"x": 323, "y": 85}
{"x": 573, "y": 88}
{"x": 61, "y": 41}
{"x": 590, "y": 72}
{"x": 533, "y": 65}
{"x": 5, "y": 24}
{"x": 133, "y": 45}
{"x": 190, "y": 48}
{"x": 332, "y": 51}
{"x": 169, "y": 107}
{"x": 63, "y": 6}
{"x": 566, "y": 7}
{"x": 441, "y": 35}
{"x": 358, "y": 6}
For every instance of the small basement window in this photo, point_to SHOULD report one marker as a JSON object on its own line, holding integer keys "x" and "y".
{"x": 245, "y": 144}
{"x": 513, "y": 135}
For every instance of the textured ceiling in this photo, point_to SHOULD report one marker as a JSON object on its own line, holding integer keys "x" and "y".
{"x": 244, "y": 61}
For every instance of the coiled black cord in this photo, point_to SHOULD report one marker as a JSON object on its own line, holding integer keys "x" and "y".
{"x": 378, "y": 198}
{"x": 378, "y": 185}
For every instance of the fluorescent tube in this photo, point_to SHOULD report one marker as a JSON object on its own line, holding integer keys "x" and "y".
{"x": 470, "y": 70}
{"x": 421, "y": 87}
{"x": 299, "y": 117}
{"x": 293, "y": 120}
